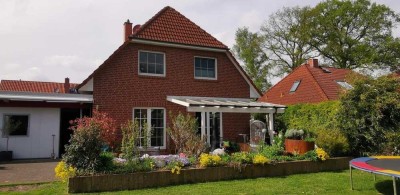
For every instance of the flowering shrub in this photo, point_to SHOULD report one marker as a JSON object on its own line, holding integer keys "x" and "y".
{"x": 260, "y": 159}
{"x": 105, "y": 124}
{"x": 64, "y": 171}
{"x": 208, "y": 160}
{"x": 321, "y": 154}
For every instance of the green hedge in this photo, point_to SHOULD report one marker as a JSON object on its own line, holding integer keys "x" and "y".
{"x": 319, "y": 119}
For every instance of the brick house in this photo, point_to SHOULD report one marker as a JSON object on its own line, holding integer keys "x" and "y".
{"x": 171, "y": 65}
{"x": 308, "y": 83}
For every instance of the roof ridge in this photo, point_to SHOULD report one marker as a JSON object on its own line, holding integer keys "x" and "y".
{"x": 35, "y": 81}
{"x": 142, "y": 27}
{"x": 316, "y": 82}
{"x": 158, "y": 14}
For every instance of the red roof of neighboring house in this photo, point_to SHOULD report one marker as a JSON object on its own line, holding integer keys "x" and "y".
{"x": 316, "y": 85}
{"x": 33, "y": 86}
{"x": 168, "y": 25}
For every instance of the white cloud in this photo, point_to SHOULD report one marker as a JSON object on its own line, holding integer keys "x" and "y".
{"x": 252, "y": 19}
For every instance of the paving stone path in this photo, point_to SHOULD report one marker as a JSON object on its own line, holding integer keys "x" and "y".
{"x": 27, "y": 171}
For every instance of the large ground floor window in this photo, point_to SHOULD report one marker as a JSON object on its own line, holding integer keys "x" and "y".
{"x": 154, "y": 118}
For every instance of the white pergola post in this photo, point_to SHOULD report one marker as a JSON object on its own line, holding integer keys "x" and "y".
{"x": 203, "y": 124}
{"x": 270, "y": 118}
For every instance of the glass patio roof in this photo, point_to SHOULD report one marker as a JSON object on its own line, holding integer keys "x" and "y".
{"x": 217, "y": 104}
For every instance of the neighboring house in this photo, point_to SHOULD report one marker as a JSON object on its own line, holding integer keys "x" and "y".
{"x": 308, "y": 83}
{"x": 171, "y": 65}
{"x": 42, "y": 109}
{"x": 38, "y": 87}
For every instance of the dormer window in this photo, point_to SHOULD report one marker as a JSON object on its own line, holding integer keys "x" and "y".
{"x": 151, "y": 63}
{"x": 295, "y": 86}
{"x": 344, "y": 84}
{"x": 205, "y": 68}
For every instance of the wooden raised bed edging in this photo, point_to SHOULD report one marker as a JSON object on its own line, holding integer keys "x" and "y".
{"x": 131, "y": 181}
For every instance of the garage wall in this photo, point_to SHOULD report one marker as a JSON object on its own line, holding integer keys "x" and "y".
{"x": 43, "y": 123}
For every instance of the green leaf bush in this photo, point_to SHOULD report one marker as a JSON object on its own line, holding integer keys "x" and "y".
{"x": 321, "y": 121}
{"x": 370, "y": 113}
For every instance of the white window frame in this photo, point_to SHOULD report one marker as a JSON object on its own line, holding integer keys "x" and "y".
{"x": 15, "y": 114}
{"x": 205, "y": 126}
{"x": 152, "y": 74}
{"x": 205, "y": 78}
{"x": 148, "y": 120}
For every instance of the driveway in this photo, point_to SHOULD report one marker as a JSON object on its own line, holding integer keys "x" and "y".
{"x": 27, "y": 171}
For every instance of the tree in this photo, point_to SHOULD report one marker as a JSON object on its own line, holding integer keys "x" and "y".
{"x": 354, "y": 34}
{"x": 248, "y": 49}
{"x": 285, "y": 41}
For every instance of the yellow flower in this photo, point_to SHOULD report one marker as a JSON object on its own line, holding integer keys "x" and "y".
{"x": 64, "y": 172}
{"x": 260, "y": 159}
{"x": 321, "y": 154}
{"x": 207, "y": 160}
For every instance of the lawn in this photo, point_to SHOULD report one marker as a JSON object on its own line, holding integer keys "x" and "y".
{"x": 315, "y": 183}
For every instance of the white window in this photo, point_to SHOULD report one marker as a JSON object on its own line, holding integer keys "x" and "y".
{"x": 155, "y": 120}
{"x": 295, "y": 86}
{"x": 15, "y": 125}
{"x": 344, "y": 84}
{"x": 205, "y": 68}
{"x": 151, "y": 63}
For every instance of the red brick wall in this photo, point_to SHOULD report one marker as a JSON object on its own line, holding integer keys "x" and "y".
{"x": 118, "y": 88}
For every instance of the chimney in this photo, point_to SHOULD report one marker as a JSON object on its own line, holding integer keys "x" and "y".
{"x": 127, "y": 30}
{"x": 66, "y": 85}
{"x": 313, "y": 63}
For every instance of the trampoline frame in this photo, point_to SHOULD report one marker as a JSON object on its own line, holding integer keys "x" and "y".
{"x": 391, "y": 173}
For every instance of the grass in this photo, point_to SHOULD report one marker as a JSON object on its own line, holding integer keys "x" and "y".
{"x": 315, "y": 183}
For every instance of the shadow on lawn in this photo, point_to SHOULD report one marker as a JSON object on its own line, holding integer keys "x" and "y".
{"x": 386, "y": 187}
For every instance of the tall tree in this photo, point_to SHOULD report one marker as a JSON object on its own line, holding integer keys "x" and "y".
{"x": 285, "y": 42}
{"x": 354, "y": 33}
{"x": 248, "y": 49}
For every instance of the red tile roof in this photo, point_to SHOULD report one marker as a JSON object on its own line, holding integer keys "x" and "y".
{"x": 33, "y": 86}
{"x": 168, "y": 25}
{"x": 316, "y": 85}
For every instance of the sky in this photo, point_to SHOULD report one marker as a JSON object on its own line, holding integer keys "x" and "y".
{"x": 47, "y": 40}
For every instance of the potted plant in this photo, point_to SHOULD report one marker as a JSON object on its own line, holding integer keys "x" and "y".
{"x": 9, "y": 127}
{"x": 297, "y": 143}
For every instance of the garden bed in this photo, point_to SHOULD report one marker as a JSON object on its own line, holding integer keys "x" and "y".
{"x": 114, "y": 182}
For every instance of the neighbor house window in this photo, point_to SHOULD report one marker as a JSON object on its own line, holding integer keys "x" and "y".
{"x": 344, "y": 84}
{"x": 295, "y": 86}
{"x": 15, "y": 125}
{"x": 154, "y": 118}
{"x": 151, "y": 63}
{"x": 205, "y": 68}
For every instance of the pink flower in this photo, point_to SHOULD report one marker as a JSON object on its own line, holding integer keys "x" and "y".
{"x": 182, "y": 155}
